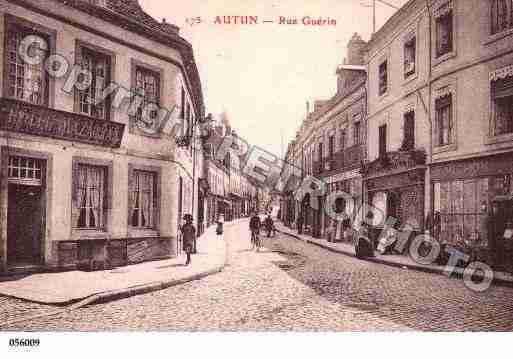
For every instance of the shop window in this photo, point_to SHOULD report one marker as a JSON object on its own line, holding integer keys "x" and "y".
{"x": 382, "y": 141}
{"x": 501, "y": 15}
{"x": 383, "y": 78}
{"x": 444, "y": 125}
{"x": 380, "y": 202}
{"x": 90, "y": 101}
{"x": 460, "y": 205}
{"x": 409, "y": 57}
{"x": 89, "y": 205}
{"x": 143, "y": 197}
{"x": 444, "y": 30}
{"x": 502, "y": 97}
{"x": 409, "y": 131}
{"x": 147, "y": 85}
{"x": 25, "y": 81}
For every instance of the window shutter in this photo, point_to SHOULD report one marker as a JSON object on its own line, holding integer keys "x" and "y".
{"x": 130, "y": 195}
{"x": 78, "y": 62}
{"x": 156, "y": 185}
{"x": 74, "y": 193}
{"x": 108, "y": 77}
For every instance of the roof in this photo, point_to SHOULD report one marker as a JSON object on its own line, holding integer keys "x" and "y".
{"x": 129, "y": 15}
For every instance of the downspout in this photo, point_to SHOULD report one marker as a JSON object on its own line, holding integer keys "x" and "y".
{"x": 366, "y": 155}
{"x": 430, "y": 84}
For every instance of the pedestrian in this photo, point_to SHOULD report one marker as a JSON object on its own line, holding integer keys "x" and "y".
{"x": 188, "y": 235}
{"x": 364, "y": 245}
{"x": 220, "y": 223}
{"x": 254, "y": 227}
{"x": 300, "y": 224}
{"x": 269, "y": 226}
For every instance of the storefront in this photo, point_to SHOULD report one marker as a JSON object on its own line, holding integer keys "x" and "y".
{"x": 470, "y": 195}
{"x": 349, "y": 182}
{"x": 395, "y": 185}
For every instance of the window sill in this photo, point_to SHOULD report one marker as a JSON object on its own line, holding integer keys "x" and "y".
{"x": 496, "y": 37}
{"x": 89, "y": 234}
{"x": 492, "y": 140}
{"x": 442, "y": 58}
{"x": 445, "y": 148}
{"x": 142, "y": 233}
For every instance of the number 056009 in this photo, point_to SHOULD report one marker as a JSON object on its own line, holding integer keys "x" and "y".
{"x": 24, "y": 342}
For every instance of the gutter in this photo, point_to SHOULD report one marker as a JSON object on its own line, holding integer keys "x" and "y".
{"x": 430, "y": 85}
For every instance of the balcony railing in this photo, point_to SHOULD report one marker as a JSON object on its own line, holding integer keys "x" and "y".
{"x": 23, "y": 117}
{"x": 396, "y": 160}
{"x": 353, "y": 156}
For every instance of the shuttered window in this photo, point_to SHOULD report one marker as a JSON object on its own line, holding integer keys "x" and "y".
{"x": 502, "y": 97}
{"x": 382, "y": 141}
{"x": 501, "y": 13}
{"x": 444, "y": 123}
{"x": 444, "y": 34}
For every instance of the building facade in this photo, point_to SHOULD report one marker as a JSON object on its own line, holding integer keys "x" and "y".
{"x": 440, "y": 120}
{"x": 330, "y": 145}
{"x": 83, "y": 183}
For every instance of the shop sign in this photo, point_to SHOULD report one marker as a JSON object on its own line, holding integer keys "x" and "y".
{"x": 22, "y": 117}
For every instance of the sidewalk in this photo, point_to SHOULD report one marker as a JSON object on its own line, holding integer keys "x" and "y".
{"x": 395, "y": 260}
{"x": 101, "y": 286}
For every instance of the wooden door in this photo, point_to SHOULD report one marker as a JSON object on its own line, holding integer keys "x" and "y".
{"x": 24, "y": 224}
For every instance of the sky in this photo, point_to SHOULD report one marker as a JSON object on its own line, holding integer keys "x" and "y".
{"x": 262, "y": 75}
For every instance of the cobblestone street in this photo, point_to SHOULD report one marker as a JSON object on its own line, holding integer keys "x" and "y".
{"x": 291, "y": 285}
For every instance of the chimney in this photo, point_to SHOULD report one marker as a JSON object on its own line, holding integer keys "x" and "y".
{"x": 307, "y": 108}
{"x": 169, "y": 28}
{"x": 356, "y": 50}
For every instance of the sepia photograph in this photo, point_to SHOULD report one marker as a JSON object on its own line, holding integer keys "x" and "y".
{"x": 227, "y": 171}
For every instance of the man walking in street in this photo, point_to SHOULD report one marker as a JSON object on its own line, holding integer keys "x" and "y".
{"x": 188, "y": 235}
{"x": 254, "y": 227}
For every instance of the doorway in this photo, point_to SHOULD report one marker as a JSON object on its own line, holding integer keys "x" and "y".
{"x": 24, "y": 225}
{"x": 25, "y": 210}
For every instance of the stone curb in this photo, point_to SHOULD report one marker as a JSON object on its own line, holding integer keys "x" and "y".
{"x": 498, "y": 279}
{"x": 105, "y": 297}
{"x": 110, "y": 296}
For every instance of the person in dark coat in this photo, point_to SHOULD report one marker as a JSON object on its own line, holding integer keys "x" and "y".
{"x": 269, "y": 225}
{"x": 364, "y": 246}
{"x": 188, "y": 237}
{"x": 300, "y": 223}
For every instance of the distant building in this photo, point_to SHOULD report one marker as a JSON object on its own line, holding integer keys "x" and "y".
{"x": 330, "y": 145}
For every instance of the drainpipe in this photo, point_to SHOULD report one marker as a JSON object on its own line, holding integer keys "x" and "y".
{"x": 428, "y": 189}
